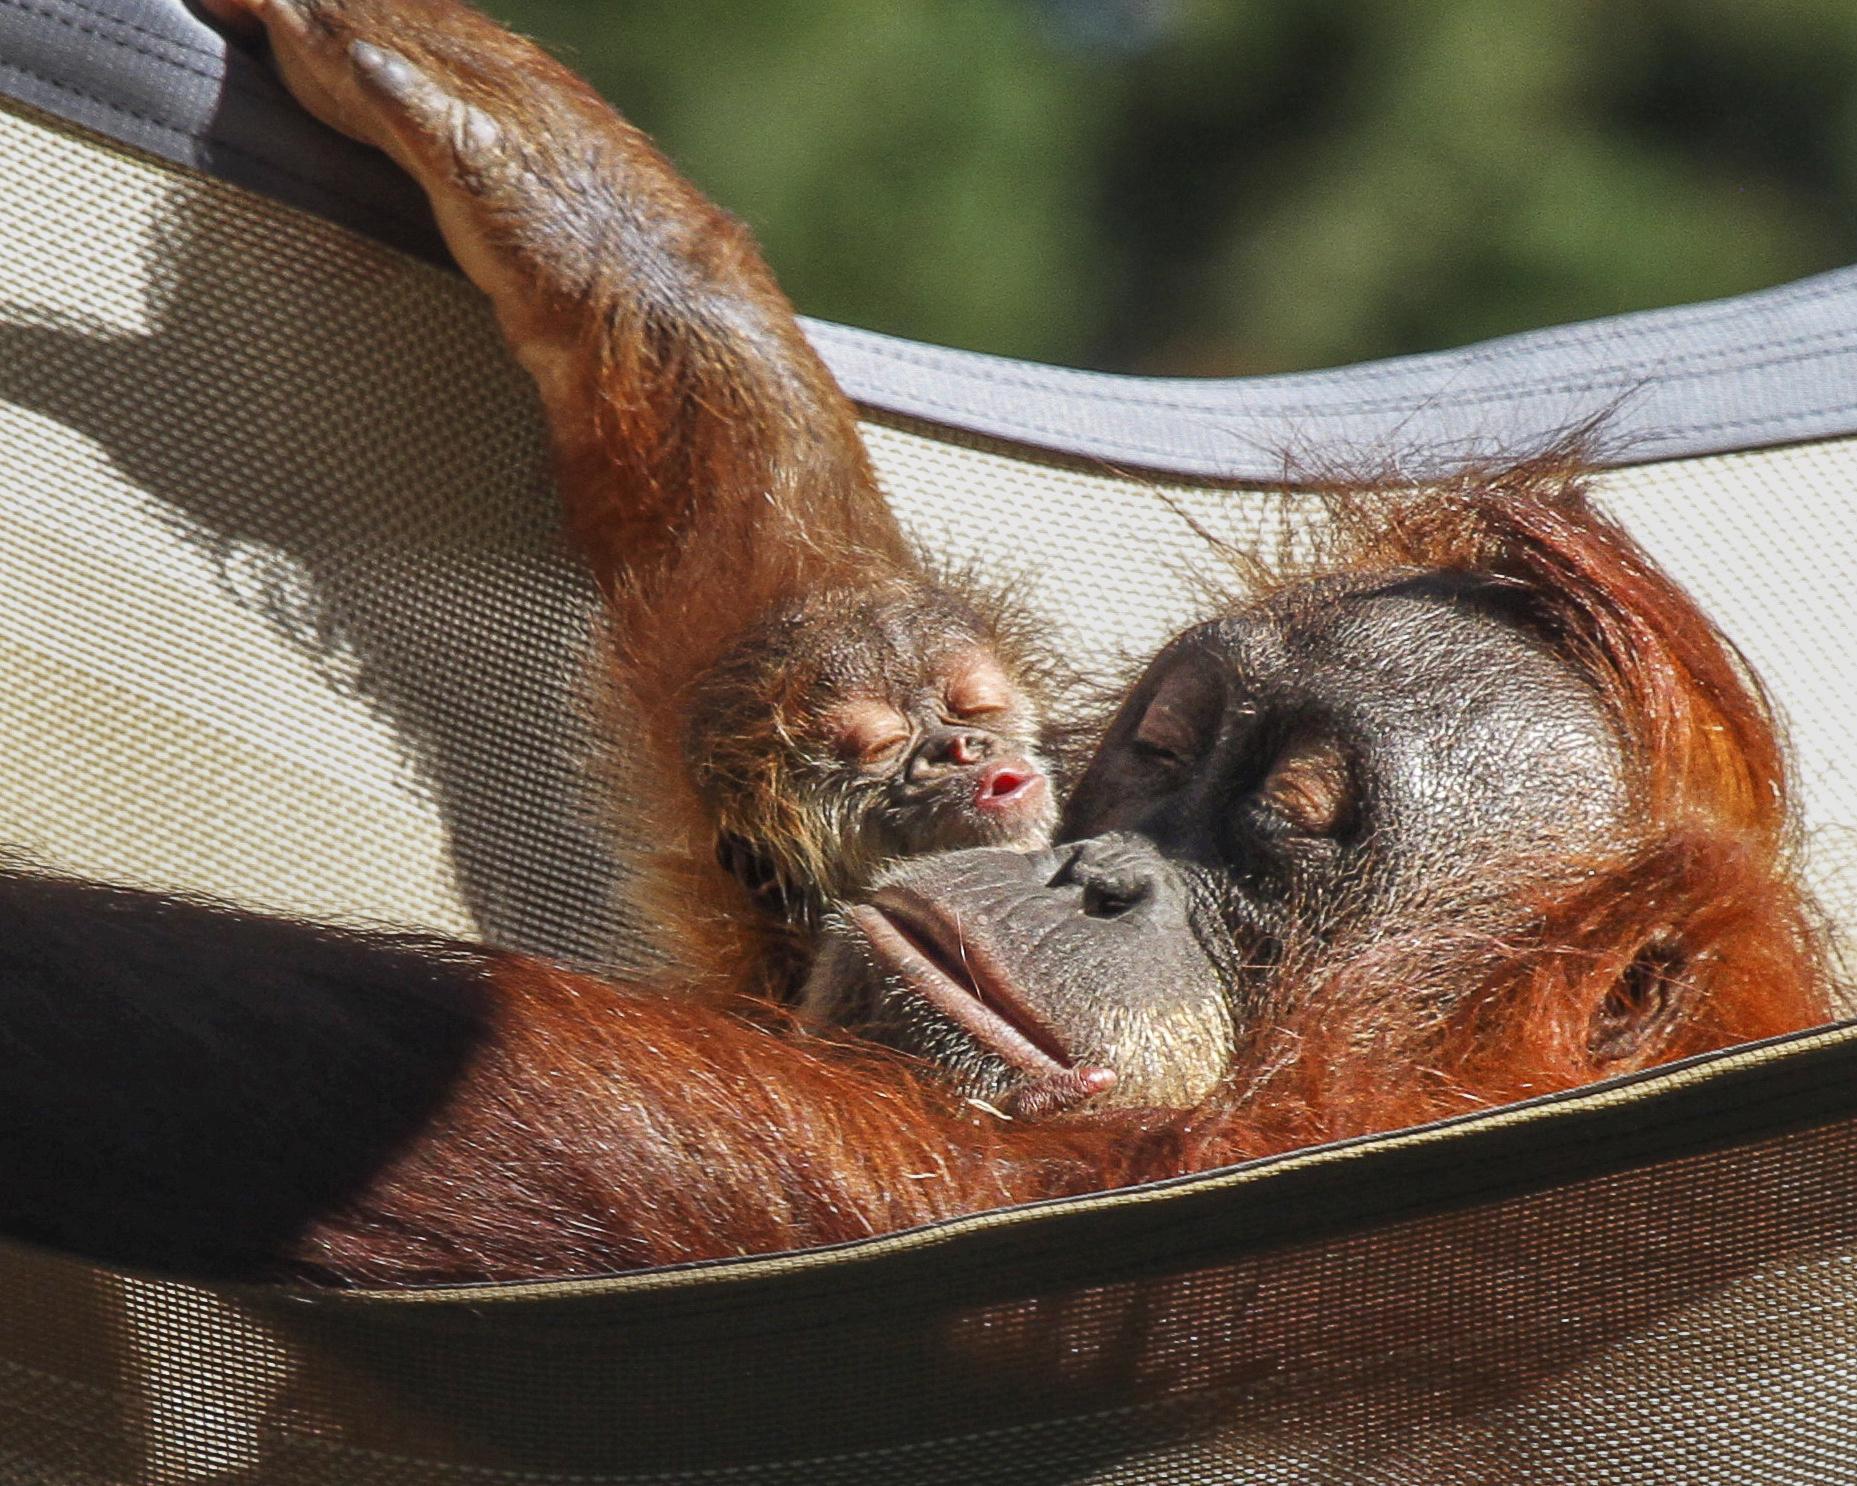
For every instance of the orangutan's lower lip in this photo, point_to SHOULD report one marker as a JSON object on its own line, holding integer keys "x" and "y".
{"x": 960, "y": 982}
{"x": 1039, "y": 1098}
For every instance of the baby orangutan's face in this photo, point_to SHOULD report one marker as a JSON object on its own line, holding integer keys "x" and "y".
{"x": 859, "y": 729}
{"x": 947, "y": 759}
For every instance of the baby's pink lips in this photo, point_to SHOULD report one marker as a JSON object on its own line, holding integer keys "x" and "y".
{"x": 1008, "y": 785}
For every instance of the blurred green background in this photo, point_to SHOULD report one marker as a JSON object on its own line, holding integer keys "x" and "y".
{"x": 1216, "y": 186}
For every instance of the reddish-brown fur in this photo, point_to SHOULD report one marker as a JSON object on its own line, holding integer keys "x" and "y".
{"x": 1701, "y": 907}
{"x": 602, "y": 1130}
{"x": 710, "y": 469}
{"x": 712, "y": 472}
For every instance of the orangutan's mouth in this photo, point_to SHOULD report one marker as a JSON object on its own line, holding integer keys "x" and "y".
{"x": 957, "y": 976}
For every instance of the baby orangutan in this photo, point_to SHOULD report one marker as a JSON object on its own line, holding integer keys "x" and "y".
{"x": 802, "y": 701}
{"x": 854, "y": 728}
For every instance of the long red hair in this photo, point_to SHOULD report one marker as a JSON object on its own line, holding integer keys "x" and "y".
{"x": 602, "y": 1129}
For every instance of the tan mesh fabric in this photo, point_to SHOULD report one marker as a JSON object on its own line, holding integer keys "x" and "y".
{"x": 301, "y": 636}
{"x": 284, "y": 617}
{"x": 1690, "y": 1320}
{"x": 277, "y": 505}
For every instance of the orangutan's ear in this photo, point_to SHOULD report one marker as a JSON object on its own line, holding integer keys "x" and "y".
{"x": 1647, "y": 1003}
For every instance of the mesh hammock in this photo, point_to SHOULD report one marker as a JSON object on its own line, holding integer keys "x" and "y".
{"x": 284, "y": 617}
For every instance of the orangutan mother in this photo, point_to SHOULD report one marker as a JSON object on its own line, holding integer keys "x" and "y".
{"x": 1480, "y": 807}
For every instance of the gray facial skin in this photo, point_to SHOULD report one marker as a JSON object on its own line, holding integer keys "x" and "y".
{"x": 1293, "y": 774}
